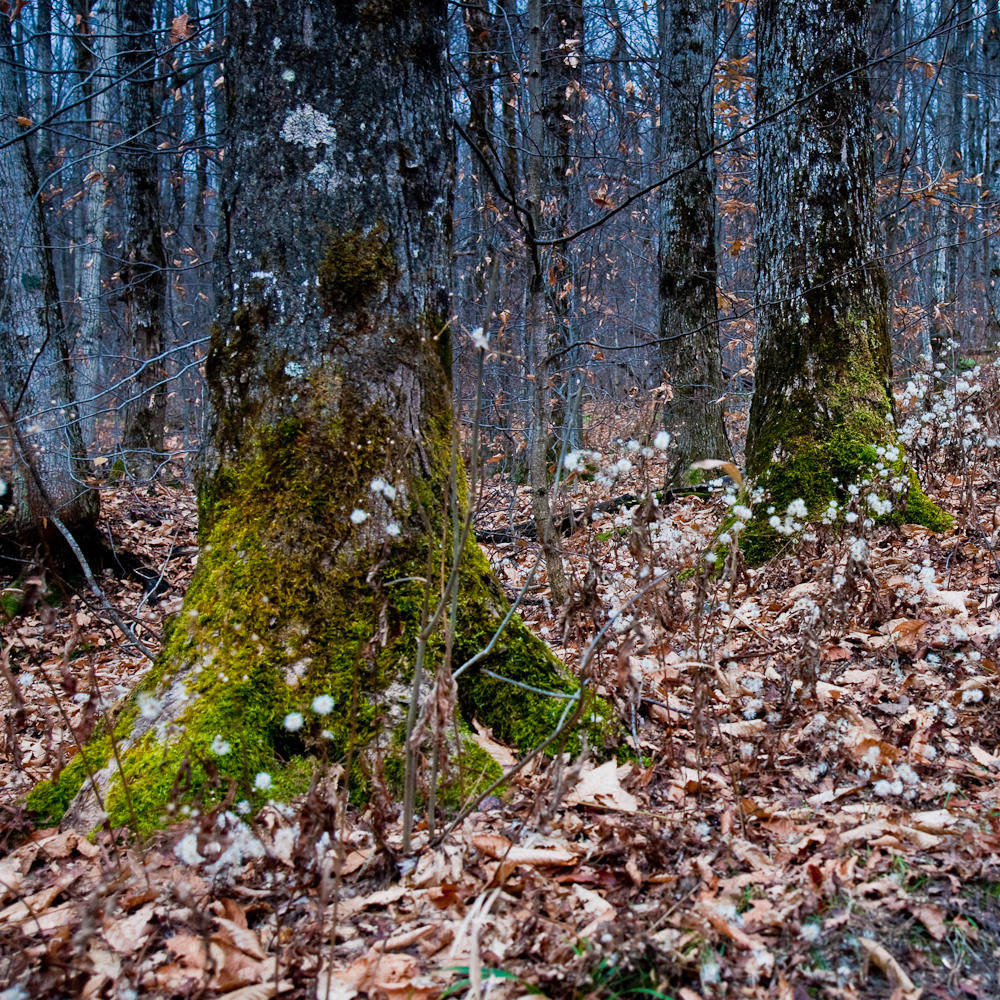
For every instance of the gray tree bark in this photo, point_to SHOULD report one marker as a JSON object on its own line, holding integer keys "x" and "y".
{"x": 103, "y": 32}
{"x": 555, "y": 101}
{"x": 144, "y": 265}
{"x": 991, "y": 167}
{"x": 822, "y": 401}
{"x": 689, "y": 328}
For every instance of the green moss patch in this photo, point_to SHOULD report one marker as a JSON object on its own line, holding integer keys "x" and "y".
{"x": 292, "y": 600}
{"x": 355, "y": 267}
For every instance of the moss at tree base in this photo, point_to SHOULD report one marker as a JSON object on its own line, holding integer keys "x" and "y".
{"x": 292, "y": 601}
{"x": 818, "y": 473}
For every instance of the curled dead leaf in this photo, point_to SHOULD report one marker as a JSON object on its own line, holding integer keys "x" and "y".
{"x": 501, "y": 849}
{"x": 890, "y": 967}
{"x": 713, "y": 464}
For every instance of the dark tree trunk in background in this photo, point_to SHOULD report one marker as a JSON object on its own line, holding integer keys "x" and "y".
{"x": 555, "y": 100}
{"x": 991, "y": 167}
{"x": 36, "y": 387}
{"x": 330, "y": 481}
{"x": 43, "y": 59}
{"x": 689, "y": 330}
{"x": 822, "y": 401}
{"x": 143, "y": 265}
{"x": 102, "y": 37}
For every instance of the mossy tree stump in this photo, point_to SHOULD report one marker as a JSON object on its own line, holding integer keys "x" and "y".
{"x": 328, "y": 488}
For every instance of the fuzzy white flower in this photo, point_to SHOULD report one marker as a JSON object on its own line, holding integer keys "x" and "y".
{"x": 149, "y": 707}
{"x": 186, "y": 850}
{"x": 359, "y": 516}
{"x": 742, "y": 512}
{"x": 797, "y": 508}
{"x": 262, "y": 781}
{"x": 479, "y": 339}
{"x": 322, "y": 704}
{"x": 220, "y": 747}
{"x": 293, "y": 722}
{"x": 662, "y": 441}
{"x": 810, "y": 932}
{"x": 393, "y": 530}
{"x": 378, "y": 484}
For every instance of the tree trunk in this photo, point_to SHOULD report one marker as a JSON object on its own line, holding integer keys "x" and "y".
{"x": 103, "y": 31}
{"x": 991, "y": 171}
{"x": 143, "y": 267}
{"x": 43, "y": 59}
{"x": 329, "y": 482}
{"x": 822, "y": 403}
{"x": 556, "y": 38}
{"x": 36, "y": 392}
{"x": 689, "y": 327}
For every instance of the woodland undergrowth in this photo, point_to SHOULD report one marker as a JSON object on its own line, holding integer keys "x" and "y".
{"x": 807, "y": 802}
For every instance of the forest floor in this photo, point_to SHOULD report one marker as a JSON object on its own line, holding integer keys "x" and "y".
{"x": 813, "y": 811}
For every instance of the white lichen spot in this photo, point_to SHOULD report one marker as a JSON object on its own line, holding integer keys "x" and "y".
{"x": 294, "y": 370}
{"x": 288, "y": 76}
{"x": 305, "y": 126}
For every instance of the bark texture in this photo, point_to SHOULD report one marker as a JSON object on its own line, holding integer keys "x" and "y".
{"x": 689, "y": 330}
{"x": 35, "y": 380}
{"x": 144, "y": 262}
{"x": 102, "y": 34}
{"x": 991, "y": 171}
{"x": 822, "y": 402}
{"x": 555, "y": 98}
{"x": 326, "y": 493}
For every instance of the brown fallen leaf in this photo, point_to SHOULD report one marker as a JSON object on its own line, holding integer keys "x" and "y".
{"x": 501, "y": 849}
{"x": 892, "y": 970}
{"x": 866, "y": 832}
{"x": 484, "y": 737}
{"x": 935, "y": 821}
{"x": 239, "y": 937}
{"x": 11, "y": 878}
{"x": 601, "y": 787}
{"x": 932, "y": 917}
{"x": 984, "y": 757}
{"x": 35, "y": 905}
{"x": 743, "y": 729}
{"x": 260, "y": 991}
{"x": 382, "y": 976}
{"x": 126, "y": 935}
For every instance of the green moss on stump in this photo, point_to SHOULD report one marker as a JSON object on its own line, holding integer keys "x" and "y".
{"x": 285, "y": 606}
{"x": 818, "y": 473}
{"x": 48, "y": 800}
